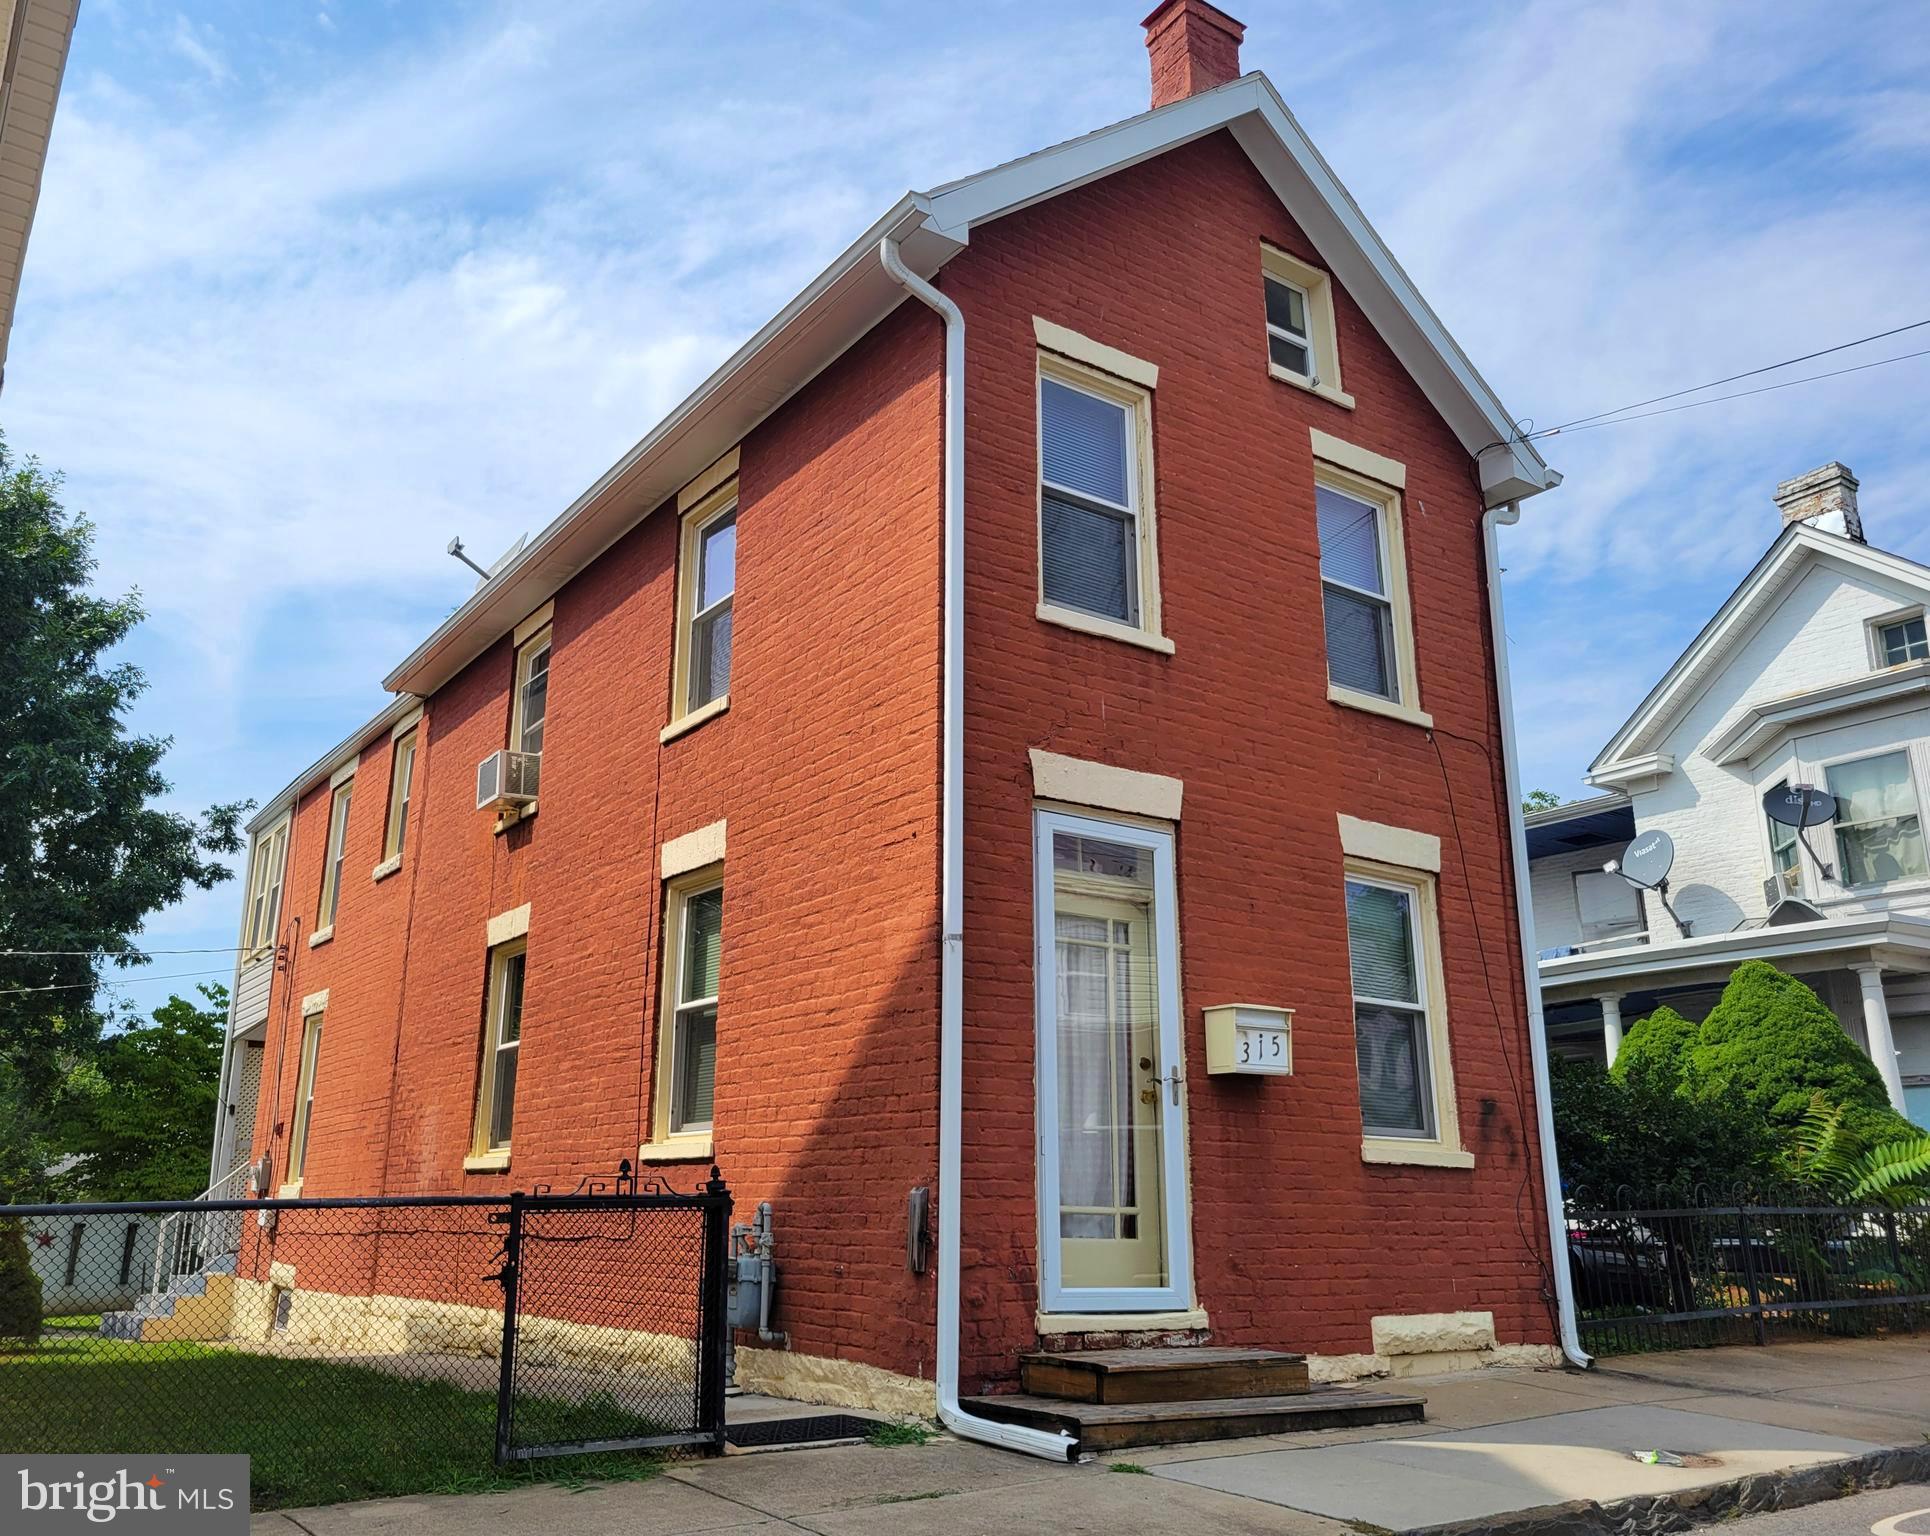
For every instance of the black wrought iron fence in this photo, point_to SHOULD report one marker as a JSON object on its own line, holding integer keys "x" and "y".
{"x": 1677, "y": 1271}
{"x": 358, "y": 1347}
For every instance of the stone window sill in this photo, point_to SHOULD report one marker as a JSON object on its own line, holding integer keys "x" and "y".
{"x": 689, "y": 722}
{"x": 1119, "y": 1322}
{"x": 386, "y": 868}
{"x": 1418, "y": 1154}
{"x": 486, "y": 1162}
{"x": 321, "y": 936}
{"x": 1353, "y": 699}
{"x": 677, "y": 1149}
{"x": 1092, "y": 624}
{"x": 290, "y": 1191}
{"x": 509, "y": 818}
{"x": 1326, "y": 392}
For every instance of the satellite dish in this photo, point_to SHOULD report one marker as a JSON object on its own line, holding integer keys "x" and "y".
{"x": 1648, "y": 860}
{"x": 1799, "y": 805}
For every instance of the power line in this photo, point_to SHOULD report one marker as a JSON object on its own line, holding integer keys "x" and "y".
{"x": 77, "y": 954}
{"x": 88, "y": 986}
{"x": 1788, "y": 362}
{"x": 1670, "y": 410}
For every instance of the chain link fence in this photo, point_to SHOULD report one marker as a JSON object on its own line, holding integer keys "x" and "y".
{"x": 1674, "y": 1270}
{"x": 360, "y": 1347}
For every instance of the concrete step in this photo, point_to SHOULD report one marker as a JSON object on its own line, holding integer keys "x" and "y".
{"x": 1188, "y": 1373}
{"x": 1100, "y": 1427}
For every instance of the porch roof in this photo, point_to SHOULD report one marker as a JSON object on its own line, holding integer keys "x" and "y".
{"x": 1890, "y": 939}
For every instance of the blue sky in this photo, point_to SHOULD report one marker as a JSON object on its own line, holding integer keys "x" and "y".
{"x": 314, "y": 287}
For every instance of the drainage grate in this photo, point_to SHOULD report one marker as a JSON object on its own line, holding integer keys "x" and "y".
{"x": 822, "y": 1426}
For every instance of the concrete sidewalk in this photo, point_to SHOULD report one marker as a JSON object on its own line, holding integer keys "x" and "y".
{"x": 1496, "y": 1443}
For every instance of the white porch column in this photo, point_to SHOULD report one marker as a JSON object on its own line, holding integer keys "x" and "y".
{"x": 1611, "y": 1023}
{"x": 1876, "y": 1025}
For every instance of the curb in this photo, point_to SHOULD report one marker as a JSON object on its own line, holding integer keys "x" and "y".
{"x": 1657, "y": 1514}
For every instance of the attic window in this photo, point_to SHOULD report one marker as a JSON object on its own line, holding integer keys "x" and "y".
{"x": 1302, "y": 349}
{"x": 1903, "y": 640}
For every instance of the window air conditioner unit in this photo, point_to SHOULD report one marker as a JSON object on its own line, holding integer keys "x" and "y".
{"x": 506, "y": 780}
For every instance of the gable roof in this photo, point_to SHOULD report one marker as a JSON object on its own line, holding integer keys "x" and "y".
{"x": 853, "y": 294}
{"x": 1633, "y": 751}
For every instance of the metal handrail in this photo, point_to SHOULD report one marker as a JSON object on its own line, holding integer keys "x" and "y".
{"x": 182, "y": 1237}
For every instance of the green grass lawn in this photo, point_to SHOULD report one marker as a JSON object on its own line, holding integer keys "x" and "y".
{"x": 318, "y": 1432}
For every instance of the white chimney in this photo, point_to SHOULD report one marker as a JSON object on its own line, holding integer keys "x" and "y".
{"x": 1824, "y": 498}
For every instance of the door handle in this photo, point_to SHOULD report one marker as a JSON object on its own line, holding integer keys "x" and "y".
{"x": 1173, "y": 1080}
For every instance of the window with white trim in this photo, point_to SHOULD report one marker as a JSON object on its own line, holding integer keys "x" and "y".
{"x": 531, "y": 704}
{"x": 332, "y": 857}
{"x": 1903, "y": 640}
{"x": 707, "y": 594}
{"x": 502, "y": 1047}
{"x": 264, "y": 888}
{"x": 1879, "y": 834}
{"x": 304, "y": 1096}
{"x": 1405, "y": 1069}
{"x": 1302, "y": 348}
{"x": 1357, "y": 593}
{"x": 1785, "y": 853}
{"x": 1096, "y": 549}
{"x": 401, "y": 773}
{"x": 1289, "y": 332}
{"x": 694, "y": 952}
{"x": 1607, "y": 905}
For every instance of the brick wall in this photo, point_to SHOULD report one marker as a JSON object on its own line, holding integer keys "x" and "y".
{"x": 1297, "y": 1243}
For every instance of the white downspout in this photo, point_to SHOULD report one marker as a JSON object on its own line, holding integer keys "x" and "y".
{"x": 1571, "y": 1345}
{"x": 951, "y": 997}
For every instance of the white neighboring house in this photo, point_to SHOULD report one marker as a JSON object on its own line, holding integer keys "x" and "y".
{"x": 1816, "y": 670}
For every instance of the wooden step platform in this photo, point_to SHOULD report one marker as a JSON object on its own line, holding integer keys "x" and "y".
{"x": 1190, "y": 1373}
{"x": 1102, "y": 1427}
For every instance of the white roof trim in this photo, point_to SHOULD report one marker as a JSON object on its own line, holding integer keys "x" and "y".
{"x": 1762, "y": 724}
{"x": 852, "y": 295}
{"x": 1728, "y": 628}
{"x": 1642, "y": 967}
{"x": 1574, "y": 810}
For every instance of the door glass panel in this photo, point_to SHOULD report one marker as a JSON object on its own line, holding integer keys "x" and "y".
{"x": 1111, "y": 1098}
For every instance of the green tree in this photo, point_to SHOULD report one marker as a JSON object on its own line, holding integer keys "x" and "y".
{"x": 1655, "y": 1051}
{"x": 1540, "y": 800}
{"x": 85, "y": 853}
{"x": 1614, "y": 1130}
{"x": 20, "y": 1293}
{"x": 138, "y": 1108}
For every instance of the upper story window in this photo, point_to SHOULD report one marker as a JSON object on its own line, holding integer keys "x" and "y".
{"x": 332, "y": 858}
{"x": 1359, "y": 604}
{"x": 1785, "y": 855}
{"x": 264, "y": 889}
{"x": 1302, "y": 349}
{"x": 532, "y": 693}
{"x": 1879, "y": 835}
{"x": 1903, "y": 640}
{"x": 1608, "y": 906}
{"x": 401, "y": 775}
{"x": 706, "y": 599}
{"x": 1097, "y": 555}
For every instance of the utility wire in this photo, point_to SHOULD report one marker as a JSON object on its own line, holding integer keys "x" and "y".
{"x": 1590, "y": 424}
{"x": 88, "y": 986}
{"x": 1788, "y": 362}
{"x": 74, "y": 954}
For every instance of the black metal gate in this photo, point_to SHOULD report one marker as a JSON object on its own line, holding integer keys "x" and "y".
{"x": 614, "y": 1319}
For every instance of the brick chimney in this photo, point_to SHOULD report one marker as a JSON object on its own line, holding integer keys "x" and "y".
{"x": 1824, "y": 498}
{"x": 1194, "y": 47}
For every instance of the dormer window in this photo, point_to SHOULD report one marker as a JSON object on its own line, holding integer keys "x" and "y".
{"x": 1903, "y": 640}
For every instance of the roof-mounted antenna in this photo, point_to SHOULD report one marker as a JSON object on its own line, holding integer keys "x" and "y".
{"x": 455, "y": 548}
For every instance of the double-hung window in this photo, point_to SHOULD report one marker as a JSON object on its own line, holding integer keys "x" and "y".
{"x": 532, "y": 694}
{"x": 332, "y": 858}
{"x": 1903, "y": 640}
{"x": 1357, "y": 577}
{"x": 264, "y": 889}
{"x": 502, "y": 1048}
{"x": 1879, "y": 834}
{"x": 1407, "y": 1108}
{"x": 1289, "y": 335}
{"x": 401, "y": 772}
{"x": 304, "y": 1096}
{"x": 694, "y": 952}
{"x": 1785, "y": 855}
{"x": 706, "y": 599}
{"x": 1302, "y": 346}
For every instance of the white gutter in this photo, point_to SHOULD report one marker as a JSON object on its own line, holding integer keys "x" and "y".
{"x": 951, "y": 1004}
{"x": 1571, "y": 1345}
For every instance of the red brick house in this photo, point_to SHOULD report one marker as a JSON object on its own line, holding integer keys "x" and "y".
{"x": 1026, "y": 728}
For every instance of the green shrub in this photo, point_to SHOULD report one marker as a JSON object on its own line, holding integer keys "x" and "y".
{"x": 1655, "y": 1051}
{"x": 19, "y": 1286}
{"x": 1614, "y": 1130}
{"x": 1771, "y": 1044}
